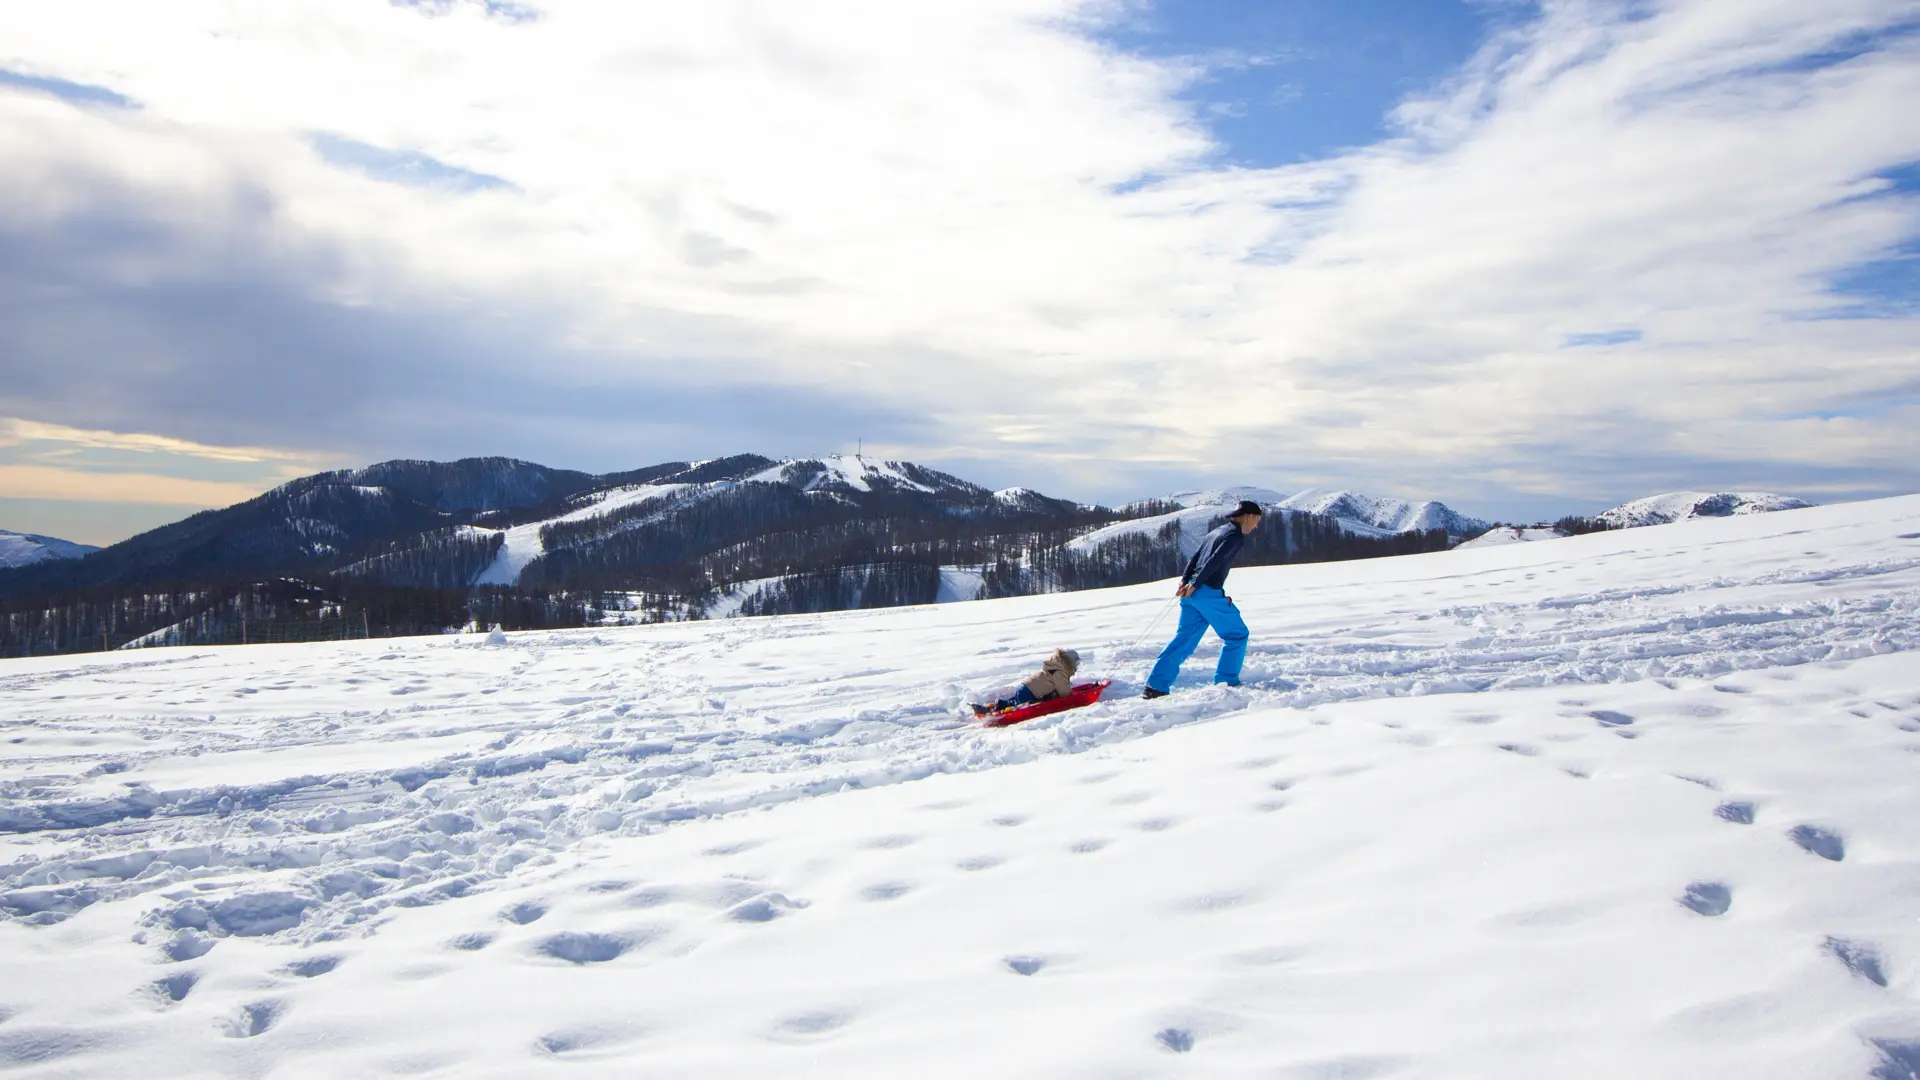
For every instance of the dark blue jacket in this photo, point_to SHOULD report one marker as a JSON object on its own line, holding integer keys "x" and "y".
{"x": 1210, "y": 564}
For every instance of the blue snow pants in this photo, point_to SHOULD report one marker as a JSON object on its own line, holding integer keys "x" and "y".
{"x": 1207, "y": 606}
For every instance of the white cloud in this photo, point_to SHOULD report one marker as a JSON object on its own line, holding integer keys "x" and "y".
{"x": 15, "y": 432}
{"x": 140, "y": 489}
{"x": 940, "y": 207}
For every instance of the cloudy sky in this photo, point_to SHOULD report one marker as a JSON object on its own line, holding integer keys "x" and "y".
{"x": 1526, "y": 258}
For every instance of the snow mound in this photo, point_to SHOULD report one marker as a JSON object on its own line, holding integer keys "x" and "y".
{"x": 1683, "y": 505}
{"x": 25, "y": 549}
{"x": 1502, "y": 535}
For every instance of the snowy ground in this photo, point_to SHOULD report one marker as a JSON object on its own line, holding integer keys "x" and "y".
{"x": 1633, "y": 804}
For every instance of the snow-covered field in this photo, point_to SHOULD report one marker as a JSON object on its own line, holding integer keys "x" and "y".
{"x": 1632, "y": 804}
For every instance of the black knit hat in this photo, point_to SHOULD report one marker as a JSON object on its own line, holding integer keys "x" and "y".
{"x": 1248, "y": 508}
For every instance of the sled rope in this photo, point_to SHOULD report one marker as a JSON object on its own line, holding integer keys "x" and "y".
{"x": 1169, "y": 606}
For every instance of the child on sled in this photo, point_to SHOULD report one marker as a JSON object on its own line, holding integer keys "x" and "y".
{"x": 1054, "y": 679}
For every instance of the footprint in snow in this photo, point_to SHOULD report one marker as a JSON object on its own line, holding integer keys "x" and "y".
{"x": 814, "y": 1024}
{"x": 764, "y": 908}
{"x": 1178, "y": 1040}
{"x": 1160, "y": 824}
{"x": 586, "y": 947}
{"x": 173, "y": 988}
{"x": 1086, "y": 847}
{"x": 1822, "y": 842}
{"x": 312, "y": 966}
{"x": 980, "y": 862}
{"x": 1024, "y": 965}
{"x": 1707, "y": 898}
{"x": 1859, "y": 957}
{"x": 886, "y": 890}
{"x": 575, "y": 1040}
{"x": 1740, "y": 813}
{"x": 524, "y": 912}
{"x": 1899, "y": 1059}
{"x": 470, "y": 942}
{"x": 255, "y": 1019}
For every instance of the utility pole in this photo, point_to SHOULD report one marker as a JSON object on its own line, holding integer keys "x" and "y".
{"x": 243, "y": 629}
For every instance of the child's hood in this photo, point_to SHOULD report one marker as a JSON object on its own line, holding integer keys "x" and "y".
{"x": 1066, "y": 660}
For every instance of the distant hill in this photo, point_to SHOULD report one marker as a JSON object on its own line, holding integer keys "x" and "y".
{"x": 25, "y": 549}
{"x": 1682, "y": 505}
{"x": 309, "y": 526}
{"x": 1652, "y": 510}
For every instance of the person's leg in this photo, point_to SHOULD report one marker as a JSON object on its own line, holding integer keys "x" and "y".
{"x": 1226, "y": 621}
{"x": 1186, "y": 639}
{"x": 1021, "y": 696}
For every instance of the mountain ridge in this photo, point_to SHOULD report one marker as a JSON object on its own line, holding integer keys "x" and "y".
{"x": 26, "y": 549}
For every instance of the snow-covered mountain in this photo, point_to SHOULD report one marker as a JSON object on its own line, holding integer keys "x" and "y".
{"x": 25, "y": 549}
{"x": 851, "y": 472}
{"x": 1357, "y": 514}
{"x": 1368, "y": 516}
{"x": 1637, "y": 807}
{"x": 1682, "y": 505}
{"x": 1226, "y": 496}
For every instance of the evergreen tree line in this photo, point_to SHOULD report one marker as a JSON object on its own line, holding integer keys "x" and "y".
{"x": 1575, "y": 525}
{"x": 284, "y": 609}
{"x": 447, "y": 558}
{"x": 892, "y": 584}
{"x": 755, "y": 531}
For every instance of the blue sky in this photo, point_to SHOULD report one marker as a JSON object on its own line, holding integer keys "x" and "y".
{"x": 1525, "y": 259}
{"x": 1289, "y": 82}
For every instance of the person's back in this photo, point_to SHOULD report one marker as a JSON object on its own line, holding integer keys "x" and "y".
{"x": 1055, "y": 677}
{"x": 1211, "y": 561}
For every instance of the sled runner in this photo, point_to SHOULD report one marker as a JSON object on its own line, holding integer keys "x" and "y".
{"x": 1084, "y": 694}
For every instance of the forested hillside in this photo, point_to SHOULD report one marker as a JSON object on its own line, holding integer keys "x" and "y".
{"x": 409, "y": 547}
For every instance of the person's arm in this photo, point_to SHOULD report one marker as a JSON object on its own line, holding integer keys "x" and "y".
{"x": 1193, "y": 563}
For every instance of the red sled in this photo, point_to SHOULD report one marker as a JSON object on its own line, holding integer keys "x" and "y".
{"x": 1084, "y": 694}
